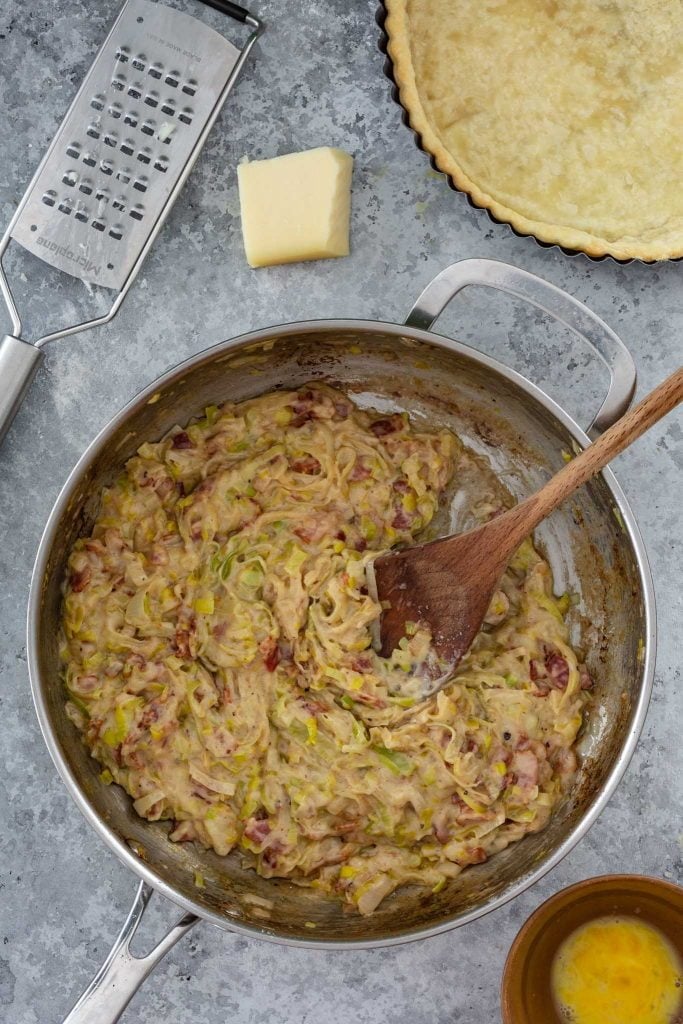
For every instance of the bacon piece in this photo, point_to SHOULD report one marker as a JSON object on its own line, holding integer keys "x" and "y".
{"x": 563, "y": 761}
{"x": 369, "y": 699}
{"x": 181, "y": 440}
{"x": 585, "y": 678}
{"x": 401, "y": 520}
{"x": 478, "y": 855}
{"x": 257, "y": 830}
{"x": 270, "y": 652}
{"x": 360, "y": 471}
{"x": 272, "y": 852}
{"x": 86, "y": 684}
{"x": 316, "y": 707}
{"x": 341, "y": 410}
{"x": 391, "y": 425}
{"x": 558, "y": 670}
{"x": 361, "y": 663}
{"x": 401, "y": 485}
{"x": 525, "y": 766}
{"x": 307, "y": 464}
{"x": 150, "y": 715}
{"x": 442, "y": 832}
{"x": 183, "y": 641}
{"x": 158, "y": 555}
{"x": 80, "y": 580}
{"x": 164, "y": 487}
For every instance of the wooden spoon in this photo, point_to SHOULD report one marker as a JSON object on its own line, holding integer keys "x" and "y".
{"x": 449, "y": 583}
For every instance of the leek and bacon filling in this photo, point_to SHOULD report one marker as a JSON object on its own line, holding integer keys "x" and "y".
{"x": 217, "y": 655}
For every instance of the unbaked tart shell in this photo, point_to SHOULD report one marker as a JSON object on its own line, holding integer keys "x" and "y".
{"x": 612, "y": 114}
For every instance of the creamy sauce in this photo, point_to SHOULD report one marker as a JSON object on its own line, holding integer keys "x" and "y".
{"x": 216, "y": 650}
{"x": 617, "y": 971}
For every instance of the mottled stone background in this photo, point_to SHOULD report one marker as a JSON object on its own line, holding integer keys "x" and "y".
{"x": 316, "y": 79}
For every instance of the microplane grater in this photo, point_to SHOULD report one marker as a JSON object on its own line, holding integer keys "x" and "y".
{"x": 119, "y": 160}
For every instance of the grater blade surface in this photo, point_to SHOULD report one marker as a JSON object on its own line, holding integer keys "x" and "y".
{"x": 111, "y": 171}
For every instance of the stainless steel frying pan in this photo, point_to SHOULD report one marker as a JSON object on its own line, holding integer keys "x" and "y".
{"x": 593, "y": 545}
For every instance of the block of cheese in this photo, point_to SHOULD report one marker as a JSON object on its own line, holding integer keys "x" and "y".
{"x": 296, "y": 207}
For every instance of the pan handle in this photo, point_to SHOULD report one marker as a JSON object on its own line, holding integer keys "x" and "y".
{"x": 552, "y": 300}
{"x": 122, "y": 973}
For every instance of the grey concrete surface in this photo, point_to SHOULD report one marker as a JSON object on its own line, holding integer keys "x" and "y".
{"x": 316, "y": 79}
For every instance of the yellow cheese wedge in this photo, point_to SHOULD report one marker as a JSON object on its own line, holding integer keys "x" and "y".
{"x": 296, "y": 207}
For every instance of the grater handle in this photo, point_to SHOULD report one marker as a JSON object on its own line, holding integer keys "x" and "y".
{"x": 227, "y": 7}
{"x": 18, "y": 364}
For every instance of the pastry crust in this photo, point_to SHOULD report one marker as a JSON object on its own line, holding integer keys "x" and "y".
{"x": 561, "y": 117}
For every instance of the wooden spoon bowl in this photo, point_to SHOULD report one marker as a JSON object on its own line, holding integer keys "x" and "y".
{"x": 449, "y": 583}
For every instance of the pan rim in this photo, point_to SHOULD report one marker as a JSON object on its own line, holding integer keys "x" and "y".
{"x": 70, "y": 779}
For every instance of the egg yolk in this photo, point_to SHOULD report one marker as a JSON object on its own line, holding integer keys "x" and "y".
{"x": 617, "y": 971}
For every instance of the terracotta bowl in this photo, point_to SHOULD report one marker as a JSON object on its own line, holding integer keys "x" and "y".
{"x": 526, "y": 995}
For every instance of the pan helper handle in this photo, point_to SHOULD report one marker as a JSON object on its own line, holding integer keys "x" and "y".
{"x": 18, "y": 364}
{"x": 551, "y": 300}
{"x": 122, "y": 973}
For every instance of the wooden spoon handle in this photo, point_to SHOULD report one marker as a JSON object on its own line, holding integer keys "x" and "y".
{"x": 590, "y": 461}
